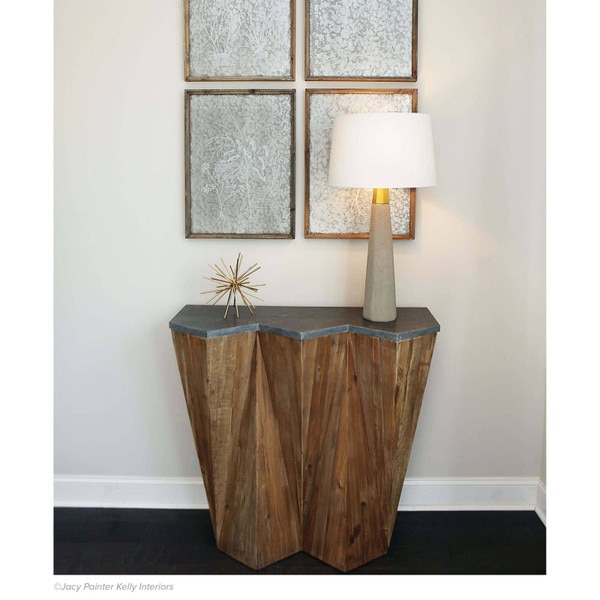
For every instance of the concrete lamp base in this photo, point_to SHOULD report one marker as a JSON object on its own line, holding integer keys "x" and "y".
{"x": 380, "y": 285}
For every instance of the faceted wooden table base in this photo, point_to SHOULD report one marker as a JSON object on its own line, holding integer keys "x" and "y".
{"x": 303, "y": 441}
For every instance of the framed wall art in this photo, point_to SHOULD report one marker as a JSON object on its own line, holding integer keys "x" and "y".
{"x": 226, "y": 40}
{"x": 239, "y": 163}
{"x": 361, "y": 40}
{"x": 345, "y": 213}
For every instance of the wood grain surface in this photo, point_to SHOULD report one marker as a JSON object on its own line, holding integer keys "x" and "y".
{"x": 303, "y": 444}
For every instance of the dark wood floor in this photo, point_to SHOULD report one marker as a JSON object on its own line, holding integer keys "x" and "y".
{"x": 91, "y": 541}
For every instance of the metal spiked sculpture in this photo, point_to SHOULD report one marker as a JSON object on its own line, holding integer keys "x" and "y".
{"x": 232, "y": 283}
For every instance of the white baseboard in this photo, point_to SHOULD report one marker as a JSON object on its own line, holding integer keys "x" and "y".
{"x": 540, "y": 505}
{"x": 521, "y": 493}
{"x": 130, "y": 492}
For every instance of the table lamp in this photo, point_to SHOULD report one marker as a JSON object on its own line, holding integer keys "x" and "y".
{"x": 381, "y": 151}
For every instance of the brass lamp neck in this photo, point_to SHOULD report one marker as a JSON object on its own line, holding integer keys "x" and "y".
{"x": 381, "y": 196}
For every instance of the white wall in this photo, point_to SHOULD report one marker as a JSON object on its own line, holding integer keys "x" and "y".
{"x": 123, "y": 267}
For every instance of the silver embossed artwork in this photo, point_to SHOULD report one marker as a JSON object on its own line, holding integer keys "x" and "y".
{"x": 226, "y": 39}
{"x": 361, "y": 39}
{"x": 239, "y": 163}
{"x": 339, "y": 212}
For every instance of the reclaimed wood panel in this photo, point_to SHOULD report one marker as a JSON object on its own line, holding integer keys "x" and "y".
{"x": 278, "y": 453}
{"x": 413, "y": 359}
{"x": 359, "y": 433}
{"x": 372, "y": 388}
{"x": 324, "y": 384}
{"x": 236, "y": 433}
{"x": 282, "y": 369}
{"x": 303, "y": 444}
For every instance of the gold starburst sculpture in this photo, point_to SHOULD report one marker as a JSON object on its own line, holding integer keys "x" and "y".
{"x": 232, "y": 283}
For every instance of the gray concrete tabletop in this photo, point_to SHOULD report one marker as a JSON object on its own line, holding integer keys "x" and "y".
{"x": 301, "y": 322}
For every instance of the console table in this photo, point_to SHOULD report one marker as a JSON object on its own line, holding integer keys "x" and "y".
{"x": 303, "y": 420}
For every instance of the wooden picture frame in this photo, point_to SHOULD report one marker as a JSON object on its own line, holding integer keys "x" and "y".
{"x": 240, "y": 163}
{"x": 361, "y": 40}
{"x": 338, "y": 212}
{"x": 239, "y": 41}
